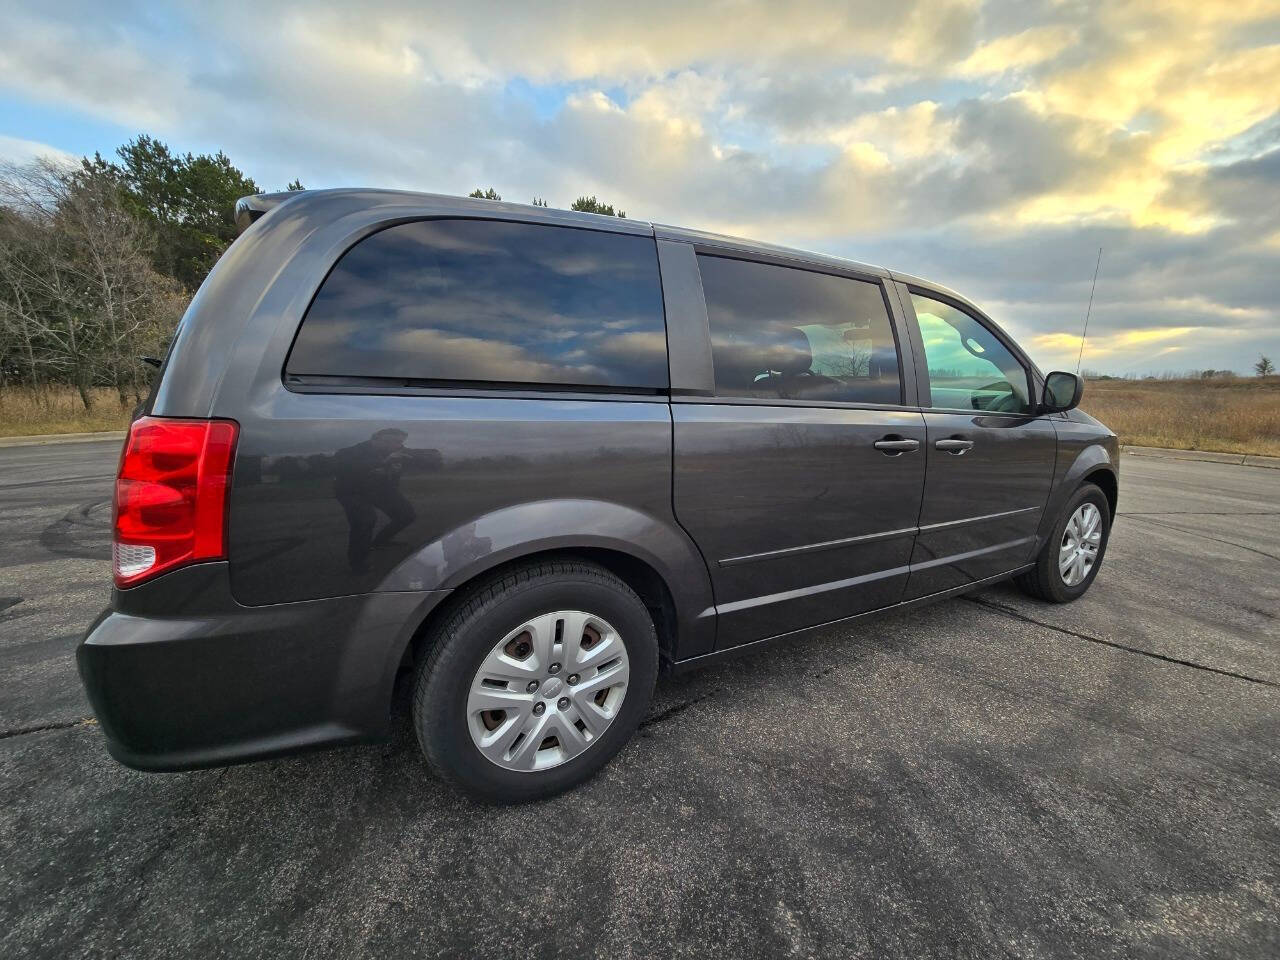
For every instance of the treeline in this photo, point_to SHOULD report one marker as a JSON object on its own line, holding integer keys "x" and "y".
{"x": 98, "y": 261}
{"x": 1262, "y": 368}
{"x": 583, "y": 204}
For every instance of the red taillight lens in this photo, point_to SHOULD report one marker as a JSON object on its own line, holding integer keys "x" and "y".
{"x": 171, "y": 496}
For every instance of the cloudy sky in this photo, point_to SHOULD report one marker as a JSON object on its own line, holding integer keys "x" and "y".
{"x": 991, "y": 146}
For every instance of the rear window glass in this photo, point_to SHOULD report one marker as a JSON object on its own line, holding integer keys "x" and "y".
{"x": 488, "y": 301}
{"x": 790, "y": 334}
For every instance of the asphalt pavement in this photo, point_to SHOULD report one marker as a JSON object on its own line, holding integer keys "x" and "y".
{"x": 987, "y": 777}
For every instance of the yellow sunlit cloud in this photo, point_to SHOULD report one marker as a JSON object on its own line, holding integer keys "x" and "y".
{"x": 1028, "y": 48}
{"x": 978, "y": 143}
{"x": 1112, "y": 343}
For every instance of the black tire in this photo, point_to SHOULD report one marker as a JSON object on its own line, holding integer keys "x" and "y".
{"x": 1044, "y": 581}
{"x": 460, "y": 642}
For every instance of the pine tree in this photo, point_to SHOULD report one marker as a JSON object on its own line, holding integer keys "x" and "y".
{"x": 592, "y": 205}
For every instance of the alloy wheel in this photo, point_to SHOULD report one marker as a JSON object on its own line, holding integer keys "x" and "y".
{"x": 547, "y": 690}
{"x": 1081, "y": 541}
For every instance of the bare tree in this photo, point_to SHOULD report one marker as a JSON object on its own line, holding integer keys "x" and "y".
{"x": 111, "y": 262}
{"x": 18, "y": 325}
{"x": 40, "y": 298}
{"x": 79, "y": 297}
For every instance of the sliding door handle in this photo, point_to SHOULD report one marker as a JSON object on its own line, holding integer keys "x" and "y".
{"x": 893, "y": 446}
{"x": 954, "y": 447}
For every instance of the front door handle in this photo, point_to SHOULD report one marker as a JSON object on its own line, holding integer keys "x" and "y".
{"x": 954, "y": 447}
{"x": 894, "y": 446}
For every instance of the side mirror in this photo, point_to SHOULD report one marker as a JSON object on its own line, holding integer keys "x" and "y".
{"x": 1062, "y": 391}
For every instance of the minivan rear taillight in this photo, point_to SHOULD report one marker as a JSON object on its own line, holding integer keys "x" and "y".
{"x": 171, "y": 496}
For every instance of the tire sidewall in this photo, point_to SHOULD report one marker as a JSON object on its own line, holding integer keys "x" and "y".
{"x": 446, "y": 737}
{"x": 1089, "y": 493}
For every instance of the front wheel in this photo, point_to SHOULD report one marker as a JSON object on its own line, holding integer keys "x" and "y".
{"x": 535, "y": 681}
{"x": 1070, "y": 559}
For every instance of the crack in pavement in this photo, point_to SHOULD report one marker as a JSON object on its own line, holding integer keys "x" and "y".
{"x": 1197, "y": 533}
{"x": 40, "y": 728}
{"x": 670, "y": 712}
{"x": 1017, "y": 615}
{"x": 1211, "y": 752}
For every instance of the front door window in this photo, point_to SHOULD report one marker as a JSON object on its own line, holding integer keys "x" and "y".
{"x": 969, "y": 368}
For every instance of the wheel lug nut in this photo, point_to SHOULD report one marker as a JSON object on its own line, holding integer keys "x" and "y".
{"x": 554, "y": 668}
{"x": 532, "y": 686}
{"x": 539, "y": 708}
{"x": 563, "y": 703}
{"x": 573, "y": 678}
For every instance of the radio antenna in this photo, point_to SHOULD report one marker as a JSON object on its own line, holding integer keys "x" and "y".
{"x": 1085, "y": 331}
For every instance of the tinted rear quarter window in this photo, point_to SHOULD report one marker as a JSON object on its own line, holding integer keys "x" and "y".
{"x": 794, "y": 334}
{"x": 490, "y": 302}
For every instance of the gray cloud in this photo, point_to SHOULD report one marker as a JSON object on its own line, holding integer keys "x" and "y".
{"x": 794, "y": 128}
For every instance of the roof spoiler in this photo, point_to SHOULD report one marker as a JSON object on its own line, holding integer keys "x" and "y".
{"x": 249, "y": 209}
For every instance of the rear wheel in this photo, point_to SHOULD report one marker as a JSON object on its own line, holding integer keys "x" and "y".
{"x": 1070, "y": 559}
{"x": 535, "y": 681}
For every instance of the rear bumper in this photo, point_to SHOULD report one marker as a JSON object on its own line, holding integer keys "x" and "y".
{"x": 181, "y": 676}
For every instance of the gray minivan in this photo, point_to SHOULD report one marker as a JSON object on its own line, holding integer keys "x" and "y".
{"x": 533, "y": 456}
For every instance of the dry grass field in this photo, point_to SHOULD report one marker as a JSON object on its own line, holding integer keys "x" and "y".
{"x": 1229, "y": 415}
{"x": 23, "y": 412}
{"x": 1237, "y": 415}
